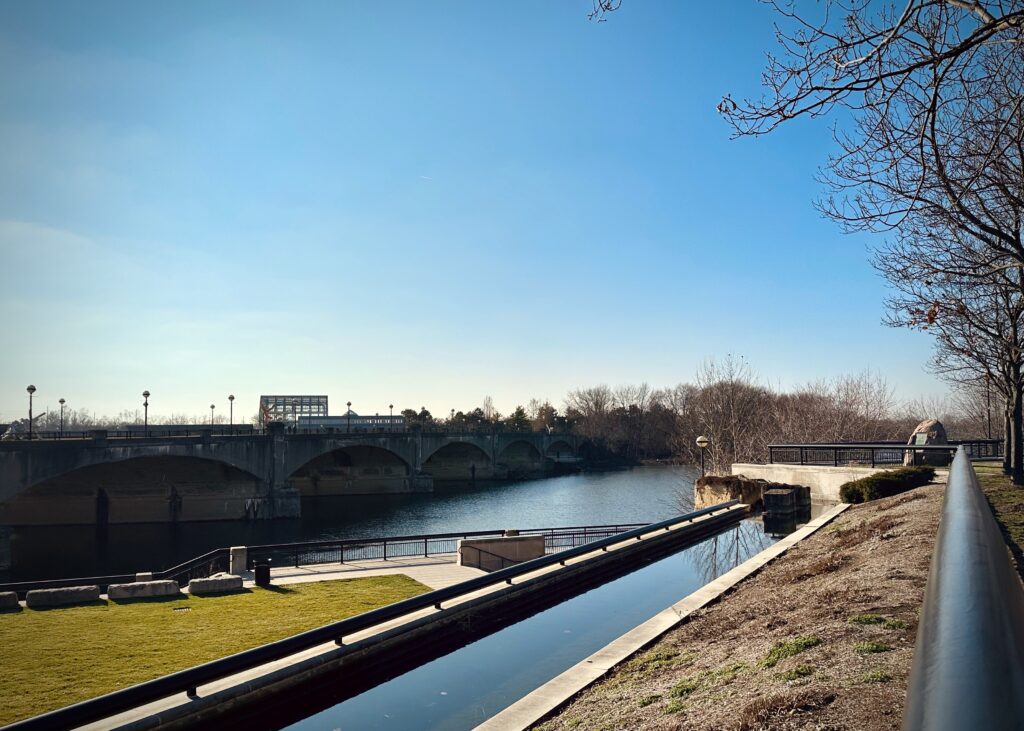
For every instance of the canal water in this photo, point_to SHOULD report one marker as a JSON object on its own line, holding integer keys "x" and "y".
{"x": 472, "y": 683}
{"x": 639, "y": 495}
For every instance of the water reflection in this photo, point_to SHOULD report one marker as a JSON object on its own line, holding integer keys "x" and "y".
{"x": 640, "y": 495}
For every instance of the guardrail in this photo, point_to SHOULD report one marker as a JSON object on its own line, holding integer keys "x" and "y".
{"x": 188, "y": 681}
{"x": 307, "y": 553}
{"x": 865, "y": 454}
{"x": 968, "y": 670}
{"x": 877, "y": 453}
{"x": 195, "y": 568}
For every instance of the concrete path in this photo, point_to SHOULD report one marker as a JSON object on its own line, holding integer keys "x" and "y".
{"x": 437, "y": 572}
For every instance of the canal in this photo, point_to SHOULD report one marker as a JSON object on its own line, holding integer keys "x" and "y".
{"x": 638, "y": 495}
{"x": 473, "y": 682}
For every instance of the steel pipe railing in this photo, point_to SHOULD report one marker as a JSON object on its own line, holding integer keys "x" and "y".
{"x": 968, "y": 670}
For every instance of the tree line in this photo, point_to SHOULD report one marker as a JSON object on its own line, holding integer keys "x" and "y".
{"x": 926, "y": 101}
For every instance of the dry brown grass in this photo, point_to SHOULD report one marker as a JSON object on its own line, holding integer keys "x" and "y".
{"x": 759, "y": 714}
{"x": 871, "y": 563}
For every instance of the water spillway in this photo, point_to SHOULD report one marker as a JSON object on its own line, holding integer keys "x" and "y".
{"x": 462, "y": 685}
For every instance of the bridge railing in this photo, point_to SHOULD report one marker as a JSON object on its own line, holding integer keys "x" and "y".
{"x": 189, "y": 680}
{"x": 968, "y": 668}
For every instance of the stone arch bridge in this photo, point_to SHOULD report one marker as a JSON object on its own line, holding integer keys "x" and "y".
{"x": 252, "y": 476}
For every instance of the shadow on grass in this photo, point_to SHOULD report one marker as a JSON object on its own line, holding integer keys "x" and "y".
{"x": 215, "y": 595}
{"x": 277, "y": 589}
{"x": 149, "y": 599}
{"x": 76, "y": 605}
{"x": 12, "y": 610}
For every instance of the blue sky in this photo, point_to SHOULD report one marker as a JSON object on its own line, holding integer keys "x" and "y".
{"x": 407, "y": 202}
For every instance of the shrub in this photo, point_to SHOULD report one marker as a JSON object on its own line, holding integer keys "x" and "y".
{"x": 885, "y": 484}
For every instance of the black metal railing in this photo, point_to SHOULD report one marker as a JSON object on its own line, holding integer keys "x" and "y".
{"x": 308, "y": 553}
{"x": 195, "y": 568}
{"x": 860, "y": 454}
{"x": 968, "y": 669}
{"x": 188, "y": 681}
{"x": 496, "y": 561}
{"x": 879, "y": 453}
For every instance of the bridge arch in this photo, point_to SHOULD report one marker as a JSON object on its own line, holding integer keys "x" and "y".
{"x": 559, "y": 448}
{"x": 352, "y": 469}
{"x": 139, "y": 488}
{"x": 459, "y": 460}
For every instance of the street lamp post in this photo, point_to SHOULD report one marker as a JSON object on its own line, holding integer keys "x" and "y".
{"x": 212, "y": 406}
{"x": 61, "y": 432}
{"x": 145, "y": 412}
{"x": 348, "y": 415}
{"x": 702, "y": 442}
{"x": 231, "y": 418}
{"x": 391, "y": 422}
{"x": 31, "y": 390}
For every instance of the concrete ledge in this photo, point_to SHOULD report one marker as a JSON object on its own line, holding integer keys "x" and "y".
{"x": 546, "y": 699}
{"x": 62, "y": 597}
{"x": 216, "y": 584}
{"x": 143, "y": 589}
{"x": 8, "y": 600}
{"x": 823, "y": 480}
{"x": 490, "y": 551}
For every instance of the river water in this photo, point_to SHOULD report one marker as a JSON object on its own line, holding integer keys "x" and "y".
{"x": 638, "y": 495}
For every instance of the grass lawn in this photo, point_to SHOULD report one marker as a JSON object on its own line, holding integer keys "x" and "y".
{"x": 54, "y": 657}
{"x": 1007, "y": 504}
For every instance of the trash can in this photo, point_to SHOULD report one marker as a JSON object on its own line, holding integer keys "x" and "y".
{"x": 262, "y": 571}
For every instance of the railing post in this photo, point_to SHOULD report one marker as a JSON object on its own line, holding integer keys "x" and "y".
{"x": 835, "y": 456}
{"x": 872, "y": 456}
{"x": 385, "y": 549}
{"x": 424, "y": 548}
{"x": 801, "y": 455}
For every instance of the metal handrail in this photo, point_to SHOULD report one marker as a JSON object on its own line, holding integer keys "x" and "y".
{"x": 188, "y": 680}
{"x": 968, "y": 670}
{"x": 482, "y": 552}
{"x": 877, "y": 453}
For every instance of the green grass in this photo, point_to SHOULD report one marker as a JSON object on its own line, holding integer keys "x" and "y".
{"x": 648, "y": 700}
{"x": 55, "y": 657}
{"x": 1007, "y": 503}
{"x": 800, "y": 671}
{"x": 788, "y": 648}
{"x": 869, "y": 647}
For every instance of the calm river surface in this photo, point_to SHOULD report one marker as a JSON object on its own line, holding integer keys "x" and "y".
{"x": 639, "y": 495}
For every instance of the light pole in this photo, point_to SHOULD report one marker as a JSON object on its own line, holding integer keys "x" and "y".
{"x": 145, "y": 411}
{"x": 212, "y": 406}
{"x": 61, "y": 432}
{"x": 231, "y": 418}
{"x": 453, "y": 418}
{"x": 31, "y": 390}
{"x": 702, "y": 442}
{"x": 348, "y": 414}
{"x": 391, "y": 422}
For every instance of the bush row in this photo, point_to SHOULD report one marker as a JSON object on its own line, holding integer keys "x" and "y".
{"x": 884, "y": 484}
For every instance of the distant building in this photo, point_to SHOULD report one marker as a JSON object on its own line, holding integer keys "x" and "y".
{"x": 352, "y": 421}
{"x": 291, "y": 408}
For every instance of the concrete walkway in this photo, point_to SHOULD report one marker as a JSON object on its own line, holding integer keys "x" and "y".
{"x": 437, "y": 572}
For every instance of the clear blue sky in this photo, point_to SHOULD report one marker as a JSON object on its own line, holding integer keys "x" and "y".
{"x": 408, "y": 202}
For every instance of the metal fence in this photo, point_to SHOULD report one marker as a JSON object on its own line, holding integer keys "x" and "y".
{"x": 397, "y": 547}
{"x": 881, "y": 453}
{"x": 859, "y": 454}
{"x": 968, "y": 670}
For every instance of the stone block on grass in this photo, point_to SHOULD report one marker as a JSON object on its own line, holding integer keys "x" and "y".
{"x": 8, "y": 601}
{"x": 61, "y": 597}
{"x": 217, "y": 584}
{"x": 143, "y": 590}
